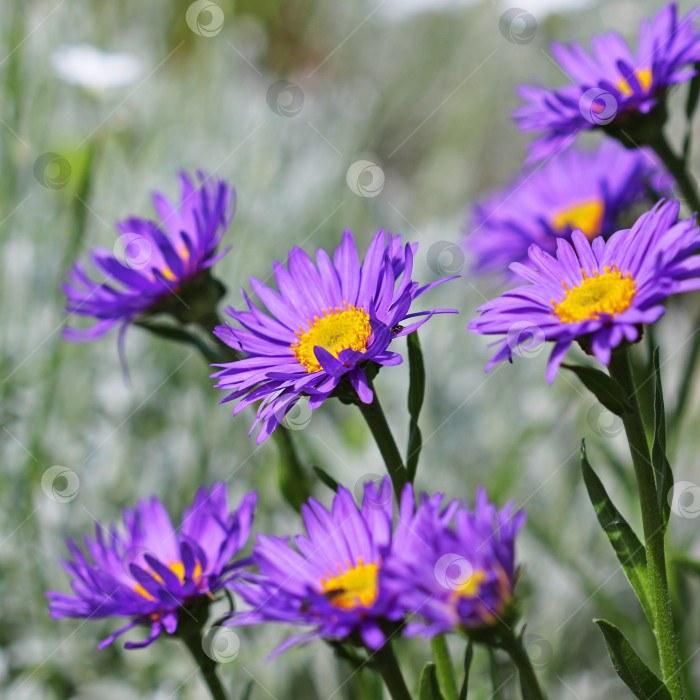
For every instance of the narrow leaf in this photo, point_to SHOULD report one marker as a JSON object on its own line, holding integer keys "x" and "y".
{"x": 662, "y": 468}
{"x": 416, "y": 395}
{"x": 631, "y": 669}
{"x": 429, "y": 688}
{"x": 468, "y": 658}
{"x": 628, "y": 548}
{"x": 606, "y": 389}
{"x": 325, "y": 478}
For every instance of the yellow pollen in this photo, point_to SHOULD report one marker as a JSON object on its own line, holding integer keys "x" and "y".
{"x": 354, "y": 588}
{"x": 587, "y": 215}
{"x": 470, "y": 586}
{"x": 178, "y": 568}
{"x": 608, "y": 294}
{"x": 643, "y": 76}
{"x": 168, "y": 273}
{"x": 337, "y": 330}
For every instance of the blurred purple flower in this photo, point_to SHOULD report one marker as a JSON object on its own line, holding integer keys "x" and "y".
{"x": 613, "y": 83}
{"x": 150, "y": 265}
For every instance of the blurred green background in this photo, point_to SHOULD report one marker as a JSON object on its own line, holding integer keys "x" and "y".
{"x": 423, "y": 91}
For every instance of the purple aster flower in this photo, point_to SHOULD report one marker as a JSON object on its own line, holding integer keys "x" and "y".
{"x": 599, "y": 292}
{"x": 328, "y": 320}
{"x": 455, "y": 567}
{"x": 151, "y": 266}
{"x": 333, "y": 580}
{"x": 577, "y": 189}
{"x": 153, "y": 570}
{"x": 613, "y": 83}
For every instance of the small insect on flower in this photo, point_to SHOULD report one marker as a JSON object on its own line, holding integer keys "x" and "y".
{"x": 329, "y": 322}
{"x": 600, "y": 291}
{"x": 577, "y": 189}
{"x": 155, "y": 267}
{"x": 153, "y": 573}
{"x": 612, "y": 85}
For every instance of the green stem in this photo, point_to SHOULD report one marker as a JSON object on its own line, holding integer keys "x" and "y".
{"x": 385, "y": 663}
{"x": 676, "y": 166}
{"x": 529, "y": 684}
{"x": 443, "y": 666}
{"x": 206, "y": 664}
{"x": 653, "y": 526}
{"x": 377, "y": 423}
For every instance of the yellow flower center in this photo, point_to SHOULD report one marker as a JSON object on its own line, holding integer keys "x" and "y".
{"x": 354, "y": 588}
{"x": 587, "y": 215}
{"x": 338, "y": 330}
{"x": 470, "y": 586}
{"x": 178, "y": 568}
{"x": 610, "y": 293}
{"x": 643, "y": 76}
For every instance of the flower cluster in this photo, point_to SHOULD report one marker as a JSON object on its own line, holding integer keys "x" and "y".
{"x": 356, "y": 577}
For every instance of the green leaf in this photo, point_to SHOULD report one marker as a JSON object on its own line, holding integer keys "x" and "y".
{"x": 416, "y": 395}
{"x": 629, "y": 550}
{"x": 429, "y": 688}
{"x": 606, "y": 389}
{"x": 325, "y": 478}
{"x": 631, "y": 669}
{"x": 662, "y": 468}
{"x": 468, "y": 658}
{"x": 496, "y": 684}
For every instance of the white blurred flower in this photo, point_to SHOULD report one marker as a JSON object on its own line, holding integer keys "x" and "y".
{"x": 93, "y": 69}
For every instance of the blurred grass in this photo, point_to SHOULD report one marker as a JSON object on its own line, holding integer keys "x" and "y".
{"x": 428, "y": 97}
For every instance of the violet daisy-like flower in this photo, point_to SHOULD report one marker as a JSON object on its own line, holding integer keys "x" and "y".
{"x": 601, "y": 291}
{"x": 328, "y": 321}
{"x": 333, "y": 580}
{"x": 454, "y": 567}
{"x": 613, "y": 83}
{"x": 154, "y": 267}
{"x": 152, "y": 571}
{"x": 577, "y": 189}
